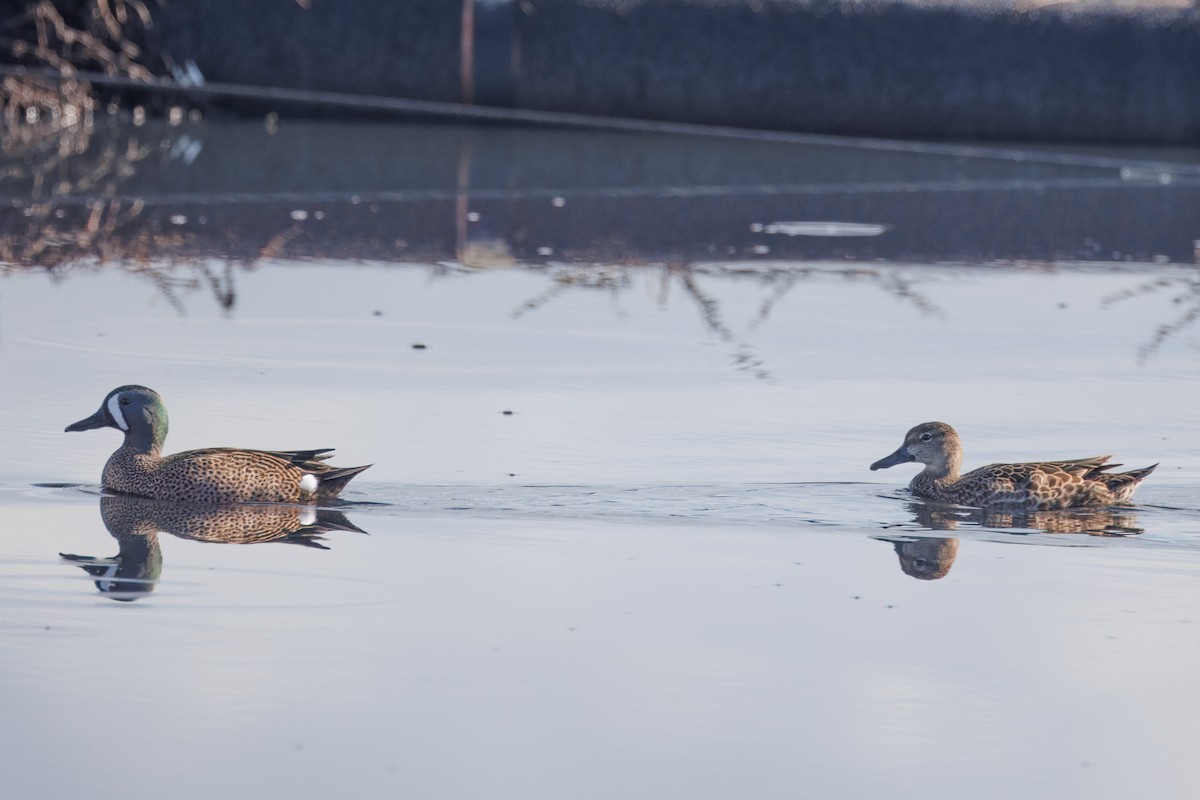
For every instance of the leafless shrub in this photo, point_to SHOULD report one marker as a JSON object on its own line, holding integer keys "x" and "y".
{"x": 97, "y": 35}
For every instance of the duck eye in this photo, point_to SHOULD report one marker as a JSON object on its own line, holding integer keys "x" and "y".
{"x": 925, "y": 437}
{"x": 124, "y": 401}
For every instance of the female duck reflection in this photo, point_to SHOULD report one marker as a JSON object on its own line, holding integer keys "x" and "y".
{"x": 135, "y": 523}
{"x": 930, "y": 557}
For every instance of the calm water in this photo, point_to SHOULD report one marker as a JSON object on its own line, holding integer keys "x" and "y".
{"x": 668, "y": 572}
{"x": 620, "y": 538}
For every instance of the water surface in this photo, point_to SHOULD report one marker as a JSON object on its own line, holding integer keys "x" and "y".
{"x": 619, "y": 537}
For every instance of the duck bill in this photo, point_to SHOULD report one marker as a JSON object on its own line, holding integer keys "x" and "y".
{"x": 97, "y": 420}
{"x": 901, "y": 456}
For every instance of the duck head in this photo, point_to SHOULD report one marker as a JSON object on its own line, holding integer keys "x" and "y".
{"x": 136, "y": 411}
{"x": 934, "y": 444}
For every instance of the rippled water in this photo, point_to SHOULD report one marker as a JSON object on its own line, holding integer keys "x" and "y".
{"x": 666, "y": 572}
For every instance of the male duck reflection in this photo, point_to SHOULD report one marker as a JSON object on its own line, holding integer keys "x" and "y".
{"x": 135, "y": 523}
{"x": 215, "y": 475}
{"x": 1042, "y": 486}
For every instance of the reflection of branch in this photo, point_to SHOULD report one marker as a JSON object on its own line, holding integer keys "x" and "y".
{"x": 44, "y": 126}
{"x": 1190, "y": 293}
{"x": 274, "y": 247}
{"x": 768, "y": 305}
{"x": 709, "y": 308}
{"x": 60, "y": 159}
{"x": 585, "y": 277}
{"x": 222, "y": 287}
{"x": 892, "y": 282}
{"x": 51, "y": 244}
{"x": 744, "y": 358}
{"x": 46, "y": 122}
{"x": 534, "y": 303}
{"x": 903, "y": 290}
{"x": 167, "y": 286}
{"x": 1147, "y": 287}
{"x": 1166, "y": 331}
{"x": 614, "y": 279}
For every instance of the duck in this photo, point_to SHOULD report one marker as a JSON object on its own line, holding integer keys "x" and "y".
{"x": 210, "y": 476}
{"x": 1033, "y": 486}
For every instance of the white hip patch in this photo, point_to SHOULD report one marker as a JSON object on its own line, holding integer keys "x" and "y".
{"x": 308, "y": 484}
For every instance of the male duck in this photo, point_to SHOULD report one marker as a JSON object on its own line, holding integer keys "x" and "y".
{"x": 215, "y": 475}
{"x": 1045, "y": 485}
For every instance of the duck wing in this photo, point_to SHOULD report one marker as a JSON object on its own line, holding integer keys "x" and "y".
{"x": 307, "y": 460}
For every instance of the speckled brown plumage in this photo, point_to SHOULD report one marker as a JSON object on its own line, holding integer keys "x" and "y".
{"x": 237, "y": 524}
{"x": 1042, "y": 485}
{"x": 215, "y": 476}
{"x": 135, "y": 522}
{"x": 1092, "y": 520}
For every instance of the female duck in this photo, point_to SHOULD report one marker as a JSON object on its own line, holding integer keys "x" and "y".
{"x": 1045, "y": 485}
{"x": 216, "y": 475}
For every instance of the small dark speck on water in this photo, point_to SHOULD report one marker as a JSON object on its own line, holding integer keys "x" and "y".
{"x": 1062, "y": 305}
{"x": 512, "y": 474}
{"x": 418, "y": 346}
{"x": 507, "y": 413}
{"x": 858, "y": 597}
{"x": 377, "y": 313}
{"x": 889, "y": 605}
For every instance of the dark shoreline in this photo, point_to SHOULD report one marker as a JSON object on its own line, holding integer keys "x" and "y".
{"x": 994, "y": 71}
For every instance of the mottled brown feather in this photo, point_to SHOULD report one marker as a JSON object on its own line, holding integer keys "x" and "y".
{"x": 1041, "y": 485}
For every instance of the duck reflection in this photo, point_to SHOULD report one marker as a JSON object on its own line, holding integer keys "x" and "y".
{"x": 136, "y": 522}
{"x": 929, "y": 558}
{"x": 1105, "y": 521}
{"x": 924, "y": 558}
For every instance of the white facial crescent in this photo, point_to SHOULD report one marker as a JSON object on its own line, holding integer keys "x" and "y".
{"x": 114, "y": 408}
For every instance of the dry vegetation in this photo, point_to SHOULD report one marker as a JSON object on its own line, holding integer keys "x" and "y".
{"x": 65, "y": 38}
{"x": 56, "y": 138}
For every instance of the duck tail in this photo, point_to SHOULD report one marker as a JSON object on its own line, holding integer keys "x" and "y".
{"x": 1123, "y": 484}
{"x": 334, "y": 480}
